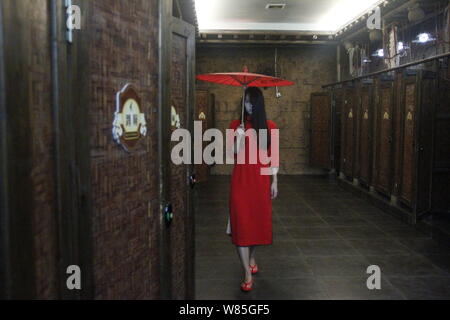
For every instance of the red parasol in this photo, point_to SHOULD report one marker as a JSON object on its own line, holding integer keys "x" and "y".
{"x": 245, "y": 80}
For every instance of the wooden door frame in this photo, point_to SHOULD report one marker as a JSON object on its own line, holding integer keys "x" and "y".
{"x": 5, "y": 267}
{"x": 71, "y": 156}
{"x": 165, "y": 36}
{"x": 70, "y": 76}
{"x": 168, "y": 26}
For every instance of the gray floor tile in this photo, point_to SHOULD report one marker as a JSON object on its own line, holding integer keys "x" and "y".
{"x": 310, "y": 233}
{"x": 423, "y": 288}
{"x": 352, "y": 266}
{"x": 325, "y": 238}
{"x": 379, "y": 247}
{"x": 355, "y": 288}
{"x": 311, "y": 248}
{"x": 405, "y": 265}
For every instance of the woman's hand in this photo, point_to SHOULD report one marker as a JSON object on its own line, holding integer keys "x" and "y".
{"x": 274, "y": 190}
{"x": 239, "y": 141}
{"x": 241, "y": 130}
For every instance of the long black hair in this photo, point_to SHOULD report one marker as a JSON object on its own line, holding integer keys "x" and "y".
{"x": 258, "y": 116}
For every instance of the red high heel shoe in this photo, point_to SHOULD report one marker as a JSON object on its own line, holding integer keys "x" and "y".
{"x": 247, "y": 286}
{"x": 254, "y": 269}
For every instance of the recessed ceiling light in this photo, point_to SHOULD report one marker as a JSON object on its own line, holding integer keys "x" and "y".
{"x": 279, "y": 6}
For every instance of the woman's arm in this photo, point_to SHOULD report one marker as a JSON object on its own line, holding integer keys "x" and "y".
{"x": 274, "y": 187}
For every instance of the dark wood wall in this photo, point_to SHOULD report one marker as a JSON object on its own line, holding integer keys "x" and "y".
{"x": 30, "y": 249}
{"x": 70, "y": 195}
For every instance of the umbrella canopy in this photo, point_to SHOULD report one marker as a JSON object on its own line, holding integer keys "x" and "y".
{"x": 244, "y": 79}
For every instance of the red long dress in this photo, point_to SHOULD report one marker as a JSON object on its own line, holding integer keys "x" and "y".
{"x": 250, "y": 199}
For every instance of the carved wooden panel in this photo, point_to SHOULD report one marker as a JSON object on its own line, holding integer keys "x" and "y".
{"x": 320, "y": 130}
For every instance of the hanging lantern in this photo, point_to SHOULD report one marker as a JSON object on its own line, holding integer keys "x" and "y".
{"x": 416, "y": 13}
{"x": 348, "y": 45}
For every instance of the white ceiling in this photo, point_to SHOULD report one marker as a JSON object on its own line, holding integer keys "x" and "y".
{"x": 299, "y": 15}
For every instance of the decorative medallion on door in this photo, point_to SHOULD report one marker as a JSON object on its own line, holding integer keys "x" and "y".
{"x": 409, "y": 117}
{"x": 202, "y": 116}
{"x": 366, "y": 115}
{"x": 386, "y": 116}
{"x": 350, "y": 114}
{"x": 129, "y": 125}
{"x": 175, "y": 119}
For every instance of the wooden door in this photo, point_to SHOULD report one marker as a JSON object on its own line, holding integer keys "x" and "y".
{"x": 320, "y": 154}
{"x": 384, "y": 132}
{"x": 408, "y": 159}
{"x": 203, "y": 114}
{"x": 348, "y": 124}
{"x": 337, "y": 106}
{"x": 179, "y": 104}
{"x": 365, "y": 118}
{"x": 441, "y": 167}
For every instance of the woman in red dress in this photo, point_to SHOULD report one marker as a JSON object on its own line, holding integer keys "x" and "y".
{"x": 251, "y": 193}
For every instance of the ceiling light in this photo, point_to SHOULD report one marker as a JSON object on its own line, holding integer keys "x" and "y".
{"x": 217, "y": 15}
{"x": 278, "y": 6}
{"x": 344, "y": 12}
{"x": 424, "y": 38}
{"x": 379, "y": 53}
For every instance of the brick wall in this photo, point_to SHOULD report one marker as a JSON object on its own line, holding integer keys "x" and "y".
{"x": 310, "y": 67}
{"x": 124, "y": 49}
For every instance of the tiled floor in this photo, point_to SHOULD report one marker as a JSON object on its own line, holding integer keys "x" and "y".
{"x": 324, "y": 240}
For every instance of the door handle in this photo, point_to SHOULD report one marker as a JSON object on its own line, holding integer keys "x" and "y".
{"x": 192, "y": 181}
{"x": 168, "y": 214}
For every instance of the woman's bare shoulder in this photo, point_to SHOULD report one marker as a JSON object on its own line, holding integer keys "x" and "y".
{"x": 271, "y": 124}
{"x": 234, "y": 124}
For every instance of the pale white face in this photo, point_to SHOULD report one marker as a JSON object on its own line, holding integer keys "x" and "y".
{"x": 248, "y": 105}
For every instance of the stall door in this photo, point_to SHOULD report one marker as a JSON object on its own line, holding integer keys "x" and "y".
{"x": 349, "y": 125}
{"x": 337, "y": 106}
{"x": 320, "y": 130}
{"x": 180, "y": 229}
{"x": 384, "y": 132}
{"x": 365, "y": 117}
{"x": 408, "y": 134}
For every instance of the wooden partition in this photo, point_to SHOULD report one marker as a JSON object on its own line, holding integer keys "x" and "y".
{"x": 365, "y": 128}
{"x": 441, "y": 165}
{"x": 348, "y": 118}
